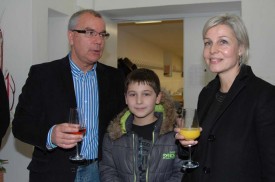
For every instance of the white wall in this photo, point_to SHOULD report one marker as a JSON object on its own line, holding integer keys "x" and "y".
{"x": 58, "y": 45}
{"x": 259, "y": 19}
{"x": 25, "y": 27}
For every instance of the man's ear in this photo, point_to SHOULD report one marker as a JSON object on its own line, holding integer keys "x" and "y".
{"x": 70, "y": 37}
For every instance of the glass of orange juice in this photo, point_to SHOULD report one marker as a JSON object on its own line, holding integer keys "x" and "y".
{"x": 189, "y": 128}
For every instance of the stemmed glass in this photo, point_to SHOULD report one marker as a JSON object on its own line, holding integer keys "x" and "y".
{"x": 189, "y": 128}
{"x": 77, "y": 117}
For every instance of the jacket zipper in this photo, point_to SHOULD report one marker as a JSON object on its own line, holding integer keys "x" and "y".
{"x": 134, "y": 157}
{"x": 149, "y": 156}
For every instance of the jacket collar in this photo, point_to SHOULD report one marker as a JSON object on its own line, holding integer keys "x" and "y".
{"x": 165, "y": 112}
{"x": 212, "y": 88}
{"x": 127, "y": 115}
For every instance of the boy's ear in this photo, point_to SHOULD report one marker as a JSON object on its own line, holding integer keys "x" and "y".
{"x": 125, "y": 99}
{"x": 159, "y": 98}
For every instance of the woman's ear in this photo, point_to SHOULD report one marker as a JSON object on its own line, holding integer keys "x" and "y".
{"x": 159, "y": 98}
{"x": 241, "y": 50}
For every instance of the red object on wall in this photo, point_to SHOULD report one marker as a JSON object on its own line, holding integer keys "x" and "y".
{"x": 1, "y": 50}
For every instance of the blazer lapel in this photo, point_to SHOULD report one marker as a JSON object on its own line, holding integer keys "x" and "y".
{"x": 235, "y": 89}
{"x": 232, "y": 94}
{"x": 206, "y": 103}
{"x": 67, "y": 81}
{"x": 102, "y": 87}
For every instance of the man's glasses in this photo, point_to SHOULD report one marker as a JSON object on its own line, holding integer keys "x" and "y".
{"x": 92, "y": 33}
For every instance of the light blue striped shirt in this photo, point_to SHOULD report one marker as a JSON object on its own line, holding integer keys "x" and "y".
{"x": 86, "y": 92}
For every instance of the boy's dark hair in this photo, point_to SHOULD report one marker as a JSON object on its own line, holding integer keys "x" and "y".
{"x": 144, "y": 76}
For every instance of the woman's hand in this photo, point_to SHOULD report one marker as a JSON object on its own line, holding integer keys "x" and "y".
{"x": 183, "y": 142}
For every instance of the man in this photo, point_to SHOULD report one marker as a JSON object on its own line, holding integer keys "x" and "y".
{"x": 4, "y": 108}
{"x": 77, "y": 80}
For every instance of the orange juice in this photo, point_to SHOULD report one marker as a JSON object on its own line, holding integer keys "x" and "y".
{"x": 190, "y": 133}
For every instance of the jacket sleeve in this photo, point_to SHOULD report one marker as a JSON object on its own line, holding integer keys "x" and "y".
{"x": 107, "y": 167}
{"x": 177, "y": 173}
{"x": 265, "y": 132}
{"x": 4, "y": 108}
{"x": 29, "y": 124}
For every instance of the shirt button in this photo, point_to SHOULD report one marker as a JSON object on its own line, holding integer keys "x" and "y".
{"x": 206, "y": 170}
{"x": 211, "y": 138}
{"x": 73, "y": 169}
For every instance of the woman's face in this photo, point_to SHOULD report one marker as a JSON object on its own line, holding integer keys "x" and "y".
{"x": 221, "y": 50}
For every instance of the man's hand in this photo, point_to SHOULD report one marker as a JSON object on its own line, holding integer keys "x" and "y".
{"x": 62, "y": 137}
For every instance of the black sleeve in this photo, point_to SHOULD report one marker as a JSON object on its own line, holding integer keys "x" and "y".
{"x": 4, "y": 108}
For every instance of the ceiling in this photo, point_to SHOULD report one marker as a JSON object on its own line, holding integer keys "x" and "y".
{"x": 167, "y": 35}
{"x": 171, "y": 12}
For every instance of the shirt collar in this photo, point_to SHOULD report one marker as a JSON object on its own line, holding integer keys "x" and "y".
{"x": 77, "y": 72}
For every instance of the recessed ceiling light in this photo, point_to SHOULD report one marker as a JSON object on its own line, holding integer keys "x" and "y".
{"x": 145, "y": 22}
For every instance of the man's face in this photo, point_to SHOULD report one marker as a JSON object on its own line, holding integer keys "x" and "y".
{"x": 86, "y": 51}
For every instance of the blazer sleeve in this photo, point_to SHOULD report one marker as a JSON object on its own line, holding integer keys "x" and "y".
{"x": 4, "y": 108}
{"x": 29, "y": 124}
{"x": 265, "y": 132}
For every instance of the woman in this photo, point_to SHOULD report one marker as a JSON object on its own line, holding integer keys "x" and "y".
{"x": 236, "y": 111}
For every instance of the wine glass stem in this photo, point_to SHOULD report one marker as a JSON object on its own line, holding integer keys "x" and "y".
{"x": 190, "y": 151}
{"x": 77, "y": 151}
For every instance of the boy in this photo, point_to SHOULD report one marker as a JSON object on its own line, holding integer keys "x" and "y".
{"x": 140, "y": 144}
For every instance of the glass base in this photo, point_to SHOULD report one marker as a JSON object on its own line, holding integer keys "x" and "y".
{"x": 190, "y": 164}
{"x": 77, "y": 158}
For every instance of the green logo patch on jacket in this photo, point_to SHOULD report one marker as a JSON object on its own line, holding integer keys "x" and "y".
{"x": 169, "y": 155}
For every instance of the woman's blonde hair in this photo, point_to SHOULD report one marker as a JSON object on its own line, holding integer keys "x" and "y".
{"x": 238, "y": 27}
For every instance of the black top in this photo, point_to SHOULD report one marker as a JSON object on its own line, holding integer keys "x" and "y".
{"x": 144, "y": 144}
{"x": 144, "y": 131}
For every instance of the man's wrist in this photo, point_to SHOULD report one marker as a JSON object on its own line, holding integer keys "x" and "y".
{"x": 49, "y": 143}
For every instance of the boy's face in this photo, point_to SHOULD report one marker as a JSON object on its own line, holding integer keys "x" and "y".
{"x": 141, "y": 99}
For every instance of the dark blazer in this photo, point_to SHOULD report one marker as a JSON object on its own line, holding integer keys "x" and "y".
{"x": 238, "y": 144}
{"x": 45, "y": 101}
{"x": 4, "y": 108}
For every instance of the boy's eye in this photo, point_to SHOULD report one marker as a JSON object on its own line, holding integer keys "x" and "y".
{"x": 147, "y": 94}
{"x": 131, "y": 94}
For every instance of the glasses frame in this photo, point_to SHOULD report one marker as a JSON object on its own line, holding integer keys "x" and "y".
{"x": 92, "y": 33}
